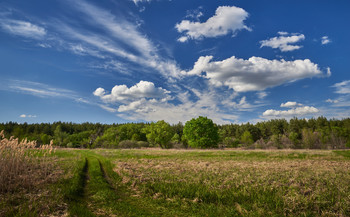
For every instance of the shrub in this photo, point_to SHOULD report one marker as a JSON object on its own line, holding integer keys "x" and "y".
{"x": 128, "y": 144}
{"x": 247, "y": 138}
{"x": 142, "y": 144}
{"x": 230, "y": 142}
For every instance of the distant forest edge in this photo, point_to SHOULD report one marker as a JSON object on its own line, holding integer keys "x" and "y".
{"x": 200, "y": 132}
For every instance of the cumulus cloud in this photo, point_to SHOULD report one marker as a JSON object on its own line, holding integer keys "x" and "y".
{"x": 99, "y": 92}
{"x": 325, "y": 40}
{"x": 206, "y": 104}
{"x": 143, "y": 89}
{"x": 254, "y": 74}
{"x": 227, "y": 20}
{"x": 305, "y": 110}
{"x": 185, "y": 105}
{"x": 284, "y": 41}
{"x": 332, "y": 101}
{"x": 22, "y": 28}
{"x": 297, "y": 109}
{"x": 290, "y": 104}
{"x": 27, "y": 116}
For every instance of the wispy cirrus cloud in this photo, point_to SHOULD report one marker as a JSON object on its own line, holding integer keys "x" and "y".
{"x": 38, "y": 89}
{"x": 22, "y": 28}
{"x": 119, "y": 39}
{"x": 342, "y": 89}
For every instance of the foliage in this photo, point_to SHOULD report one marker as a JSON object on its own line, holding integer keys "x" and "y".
{"x": 247, "y": 138}
{"x": 159, "y": 133}
{"x": 296, "y": 133}
{"x": 128, "y": 144}
{"x": 201, "y": 133}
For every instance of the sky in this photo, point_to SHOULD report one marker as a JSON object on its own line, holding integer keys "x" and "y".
{"x": 118, "y": 61}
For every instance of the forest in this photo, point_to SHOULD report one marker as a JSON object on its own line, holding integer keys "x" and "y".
{"x": 201, "y": 132}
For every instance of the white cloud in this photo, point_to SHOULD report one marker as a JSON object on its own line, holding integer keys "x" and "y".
{"x": 262, "y": 94}
{"x": 290, "y": 104}
{"x": 22, "y": 28}
{"x": 27, "y": 116}
{"x": 325, "y": 40}
{"x": 136, "y": 2}
{"x": 343, "y": 100}
{"x": 241, "y": 105}
{"x": 186, "y": 105}
{"x": 342, "y": 87}
{"x": 284, "y": 41}
{"x": 254, "y": 74}
{"x": 99, "y": 92}
{"x": 120, "y": 38}
{"x": 151, "y": 110}
{"x": 293, "y": 112}
{"x": 38, "y": 89}
{"x": 332, "y": 101}
{"x": 195, "y": 14}
{"x": 143, "y": 89}
{"x": 107, "y": 108}
{"x": 227, "y": 20}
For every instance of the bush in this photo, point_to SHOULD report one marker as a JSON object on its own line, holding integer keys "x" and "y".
{"x": 128, "y": 144}
{"x": 247, "y": 138}
{"x": 230, "y": 142}
{"x": 142, "y": 144}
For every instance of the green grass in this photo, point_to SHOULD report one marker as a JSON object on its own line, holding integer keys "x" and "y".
{"x": 155, "y": 182}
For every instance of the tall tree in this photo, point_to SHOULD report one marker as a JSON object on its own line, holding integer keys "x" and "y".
{"x": 201, "y": 133}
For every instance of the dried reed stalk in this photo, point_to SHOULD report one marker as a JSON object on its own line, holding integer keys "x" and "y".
{"x": 23, "y": 164}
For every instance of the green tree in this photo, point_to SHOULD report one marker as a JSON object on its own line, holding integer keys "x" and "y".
{"x": 60, "y": 136}
{"x": 159, "y": 133}
{"x": 201, "y": 133}
{"x": 294, "y": 137}
{"x": 247, "y": 138}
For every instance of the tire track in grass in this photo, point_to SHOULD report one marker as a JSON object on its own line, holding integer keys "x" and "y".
{"x": 106, "y": 197}
{"x": 96, "y": 190}
{"x": 76, "y": 193}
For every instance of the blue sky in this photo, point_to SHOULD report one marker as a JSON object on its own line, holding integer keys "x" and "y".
{"x": 116, "y": 61}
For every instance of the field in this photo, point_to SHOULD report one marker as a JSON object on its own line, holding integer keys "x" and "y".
{"x": 155, "y": 182}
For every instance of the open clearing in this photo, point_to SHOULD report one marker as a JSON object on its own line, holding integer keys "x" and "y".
{"x": 154, "y": 182}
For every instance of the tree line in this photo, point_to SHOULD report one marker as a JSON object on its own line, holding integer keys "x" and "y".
{"x": 201, "y": 132}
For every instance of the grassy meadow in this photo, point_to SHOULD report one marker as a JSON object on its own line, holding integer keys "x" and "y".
{"x": 156, "y": 182}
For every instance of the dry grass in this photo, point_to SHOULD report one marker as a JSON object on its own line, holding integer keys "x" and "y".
{"x": 317, "y": 185}
{"x": 23, "y": 164}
